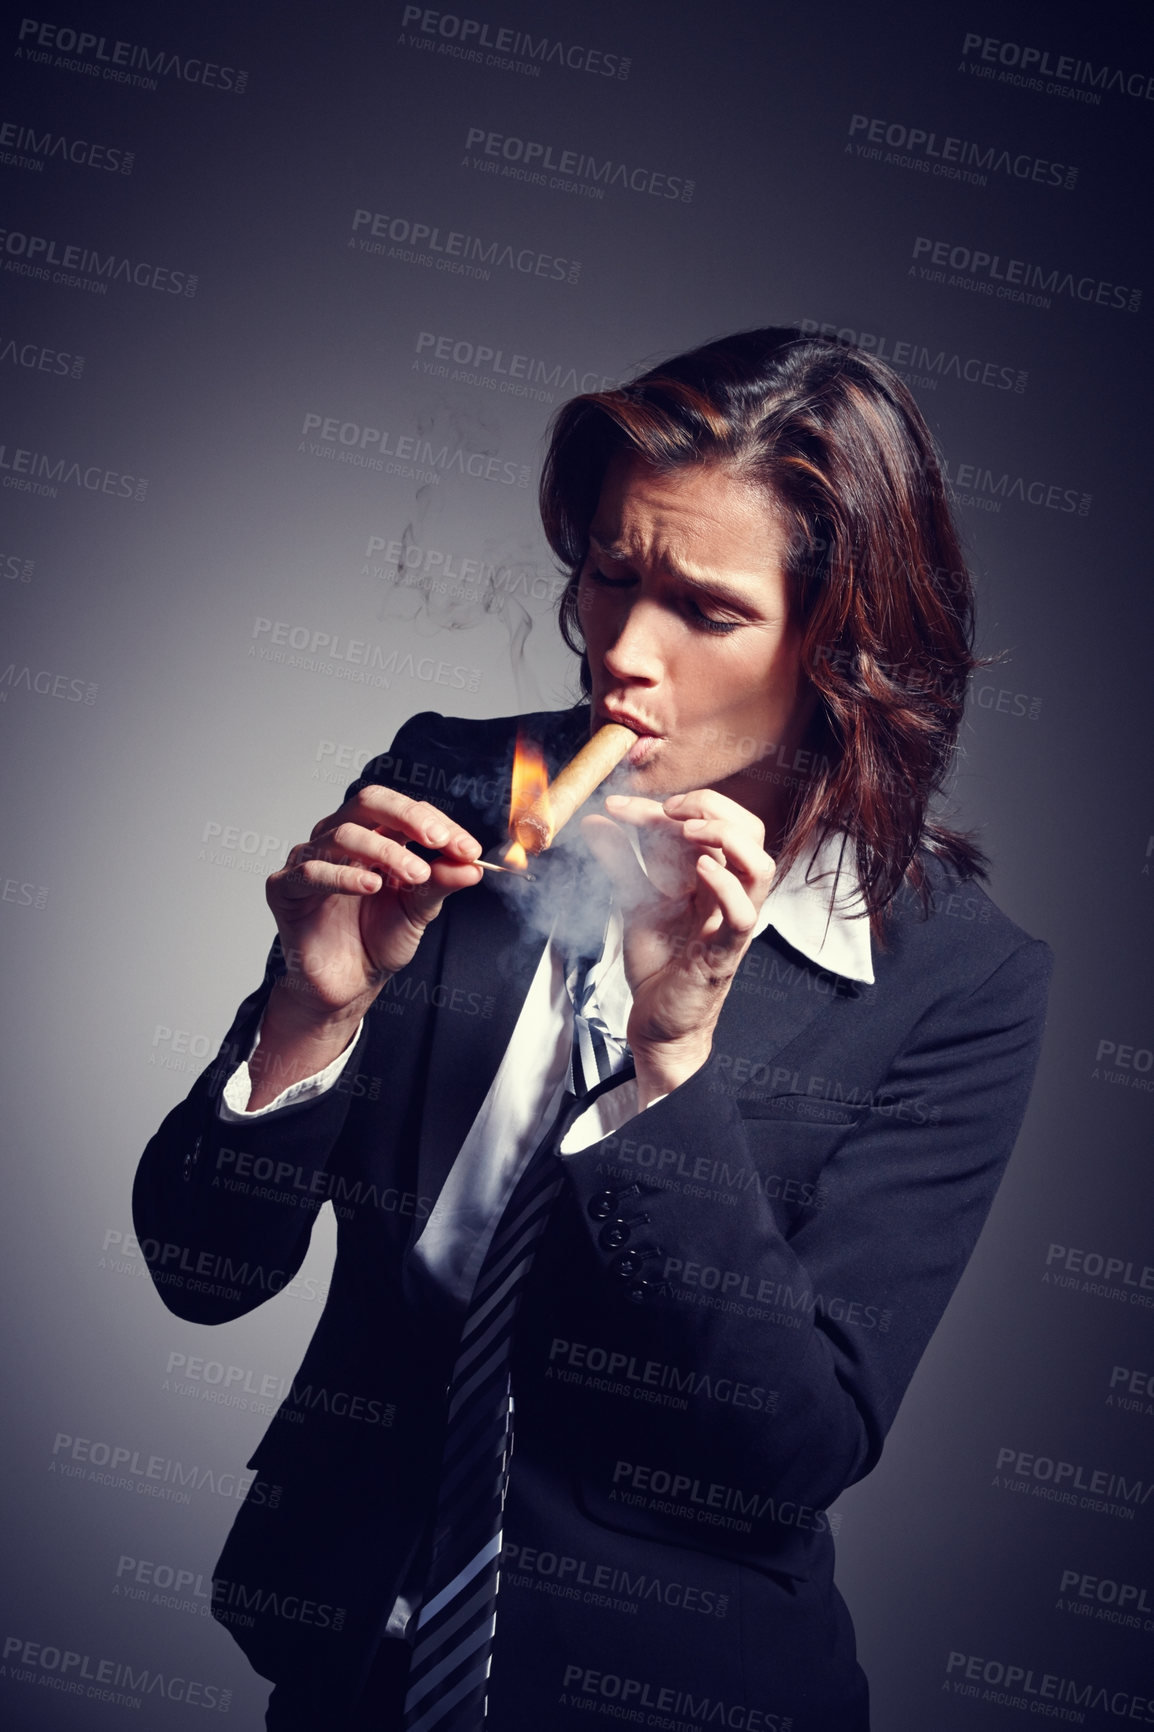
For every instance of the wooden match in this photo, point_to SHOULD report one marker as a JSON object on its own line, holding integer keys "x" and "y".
{"x": 537, "y": 828}
{"x": 513, "y": 871}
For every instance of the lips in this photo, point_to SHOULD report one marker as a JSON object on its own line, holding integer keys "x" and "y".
{"x": 628, "y": 721}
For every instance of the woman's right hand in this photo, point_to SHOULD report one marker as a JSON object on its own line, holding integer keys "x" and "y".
{"x": 351, "y": 903}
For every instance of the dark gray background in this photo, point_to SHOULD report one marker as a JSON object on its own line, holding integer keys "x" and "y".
{"x": 132, "y": 928}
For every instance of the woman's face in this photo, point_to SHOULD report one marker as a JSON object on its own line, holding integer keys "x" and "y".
{"x": 685, "y": 609}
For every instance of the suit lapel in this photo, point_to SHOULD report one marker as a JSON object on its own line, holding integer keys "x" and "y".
{"x": 489, "y": 958}
{"x": 489, "y": 962}
{"x": 776, "y": 995}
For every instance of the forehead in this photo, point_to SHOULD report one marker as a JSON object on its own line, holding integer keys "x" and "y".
{"x": 700, "y": 517}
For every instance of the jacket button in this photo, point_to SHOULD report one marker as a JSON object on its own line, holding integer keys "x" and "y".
{"x": 637, "y": 1292}
{"x": 627, "y": 1265}
{"x": 603, "y": 1205}
{"x": 614, "y": 1235}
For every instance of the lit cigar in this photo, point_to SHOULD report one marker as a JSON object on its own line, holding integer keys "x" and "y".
{"x": 536, "y": 828}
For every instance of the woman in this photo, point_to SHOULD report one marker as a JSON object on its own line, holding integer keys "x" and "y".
{"x": 812, "y": 1074}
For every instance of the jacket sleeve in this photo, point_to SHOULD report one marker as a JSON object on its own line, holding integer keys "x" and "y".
{"x": 808, "y": 1333}
{"x": 223, "y": 1211}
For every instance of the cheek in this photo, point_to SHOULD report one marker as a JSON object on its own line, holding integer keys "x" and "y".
{"x": 597, "y": 612}
{"x": 756, "y": 687}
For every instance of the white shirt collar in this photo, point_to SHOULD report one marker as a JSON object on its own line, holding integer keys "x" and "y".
{"x": 817, "y": 906}
{"x": 820, "y": 911}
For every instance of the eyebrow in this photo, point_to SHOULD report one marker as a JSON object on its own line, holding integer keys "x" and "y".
{"x": 704, "y": 581}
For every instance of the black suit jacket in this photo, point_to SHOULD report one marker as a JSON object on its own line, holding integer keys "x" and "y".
{"x": 693, "y": 1391}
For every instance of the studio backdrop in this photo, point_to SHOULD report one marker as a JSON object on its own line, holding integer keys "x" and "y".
{"x": 289, "y": 296}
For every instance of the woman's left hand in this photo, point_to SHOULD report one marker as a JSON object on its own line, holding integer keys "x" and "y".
{"x": 687, "y": 925}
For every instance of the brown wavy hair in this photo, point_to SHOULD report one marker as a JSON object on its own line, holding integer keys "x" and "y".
{"x": 875, "y": 565}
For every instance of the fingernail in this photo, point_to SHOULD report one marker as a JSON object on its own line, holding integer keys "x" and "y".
{"x": 438, "y": 835}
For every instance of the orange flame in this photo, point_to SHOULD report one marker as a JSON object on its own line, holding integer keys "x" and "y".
{"x": 530, "y": 783}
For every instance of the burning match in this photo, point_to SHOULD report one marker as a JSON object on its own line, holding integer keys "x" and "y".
{"x": 537, "y": 826}
{"x": 513, "y": 871}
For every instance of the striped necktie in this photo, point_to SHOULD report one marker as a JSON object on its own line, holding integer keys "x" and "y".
{"x": 597, "y": 1053}
{"x": 449, "y": 1669}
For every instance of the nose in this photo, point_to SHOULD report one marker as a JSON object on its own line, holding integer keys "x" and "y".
{"x": 634, "y": 653}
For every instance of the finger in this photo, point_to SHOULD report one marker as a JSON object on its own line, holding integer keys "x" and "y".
{"x": 352, "y": 845}
{"x": 317, "y": 877}
{"x": 730, "y": 913}
{"x": 390, "y": 812}
{"x": 634, "y": 809}
{"x": 611, "y": 847}
{"x": 423, "y": 902}
{"x": 737, "y": 850}
{"x": 708, "y": 803}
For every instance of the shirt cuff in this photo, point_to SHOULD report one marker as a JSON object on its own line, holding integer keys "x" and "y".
{"x": 604, "y": 1116}
{"x": 233, "y": 1100}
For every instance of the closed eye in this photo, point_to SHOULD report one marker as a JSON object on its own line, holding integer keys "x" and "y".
{"x": 698, "y": 618}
